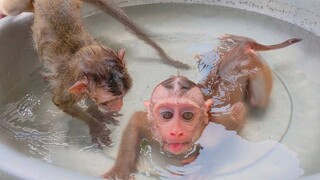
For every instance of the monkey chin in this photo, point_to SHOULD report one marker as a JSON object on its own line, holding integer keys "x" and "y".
{"x": 177, "y": 148}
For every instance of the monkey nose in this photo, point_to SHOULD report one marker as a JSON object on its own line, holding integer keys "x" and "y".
{"x": 116, "y": 105}
{"x": 176, "y": 132}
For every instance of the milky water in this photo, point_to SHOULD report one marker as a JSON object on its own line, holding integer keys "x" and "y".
{"x": 31, "y": 124}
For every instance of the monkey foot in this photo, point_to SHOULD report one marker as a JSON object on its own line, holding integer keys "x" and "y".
{"x": 100, "y": 134}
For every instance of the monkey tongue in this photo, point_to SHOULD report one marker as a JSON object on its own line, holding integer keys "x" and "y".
{"x": 175, "y": 147}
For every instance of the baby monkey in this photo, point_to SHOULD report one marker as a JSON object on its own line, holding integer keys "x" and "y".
{"x": 179, "y": 109}
{"x": 77, "y": 66}
{"x": 176, "y": 116}
{"x": 233, "y": 73}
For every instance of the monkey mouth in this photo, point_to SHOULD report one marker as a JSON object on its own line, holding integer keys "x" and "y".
{"x": 176, "y": 147}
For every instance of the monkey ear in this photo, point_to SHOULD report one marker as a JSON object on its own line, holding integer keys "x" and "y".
{"x": 208, "y": 105}
{"x": 146, "y": 104}
{"x": 78, "y": 88}
{"x": 121, "y": 54}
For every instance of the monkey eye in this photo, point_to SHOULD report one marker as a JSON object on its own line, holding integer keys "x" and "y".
{"x": 187, "y": 116}
{"x": 166, "y": 114}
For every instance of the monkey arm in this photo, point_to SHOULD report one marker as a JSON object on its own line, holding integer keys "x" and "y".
{"x": 100, "y": 134}
{"x": 108, "y": 118}
{"x": 129, "y": 149}
{"x": 98, "y": 130}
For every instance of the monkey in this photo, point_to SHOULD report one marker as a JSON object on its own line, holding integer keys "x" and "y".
{"x": 175, "y": 117}
{"x": 236, "y": 73}
{"x": 218, "y": 96}
{"x": 15, "y": 7}
{"x": 77, "y": 67}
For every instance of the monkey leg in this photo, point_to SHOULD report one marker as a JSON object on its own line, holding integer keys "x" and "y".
{"x": 15, "y": 7}
{"x": 234, "y": 119}
{"x": 259, "y": 87}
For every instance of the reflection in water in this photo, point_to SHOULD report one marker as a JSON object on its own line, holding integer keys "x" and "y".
{"x": 34, "y": 122}
{"x": 17, "y": 120}
{"x": 227, "y": 155}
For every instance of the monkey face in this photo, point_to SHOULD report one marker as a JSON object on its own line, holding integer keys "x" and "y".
{"x": 113, "y": 105}
{"x": 106, "y": 100}
{"x": 177, "y": 126}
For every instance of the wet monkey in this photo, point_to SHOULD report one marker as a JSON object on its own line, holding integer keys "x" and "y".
{"x": 234, "y": 73}
{"x": 77, "y": 67}
{"x": 15, "y": 7}
{"x": 177, "y": 113}
{"x": 179, "y": 109}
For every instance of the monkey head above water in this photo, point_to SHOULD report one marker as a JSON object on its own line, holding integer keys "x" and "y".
{"x": 176, "y": 116}
{"x": 178, "y": 113}
{"x": 101, "y": 75}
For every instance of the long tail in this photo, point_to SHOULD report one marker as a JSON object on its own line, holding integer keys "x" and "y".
{"x": 115, "y": 11}
{"x": 260, "y": 47}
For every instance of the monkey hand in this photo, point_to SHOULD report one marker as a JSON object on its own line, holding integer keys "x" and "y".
{"x": 100, "y": 134}
{"x": 110, "y": 118}
{"x": 107, "y": 117}
{"x": 119, "y": 173}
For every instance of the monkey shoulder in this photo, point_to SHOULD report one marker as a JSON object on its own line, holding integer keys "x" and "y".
{"x": 139, "y": 119}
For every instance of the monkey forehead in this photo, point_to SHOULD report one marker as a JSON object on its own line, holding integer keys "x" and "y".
{"x": 176, "y": 102}
{"x": 192, "y": 96}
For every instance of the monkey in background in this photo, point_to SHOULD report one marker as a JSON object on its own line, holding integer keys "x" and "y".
{"x": 15, "y": 7}
{"x": 234, "y": 73}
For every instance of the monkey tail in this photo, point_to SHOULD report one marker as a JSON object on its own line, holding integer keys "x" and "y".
{"x": 260, "y": 47}
{"x": 112, "y": 9}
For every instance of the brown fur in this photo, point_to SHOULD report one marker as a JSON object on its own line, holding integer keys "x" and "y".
{"x": 77, "y": 66}
{"x": 239, "y": 73}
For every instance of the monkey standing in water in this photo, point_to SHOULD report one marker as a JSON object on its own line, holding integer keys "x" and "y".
{"x": 233, "y": 73}
{"x": 78, "y": 67}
